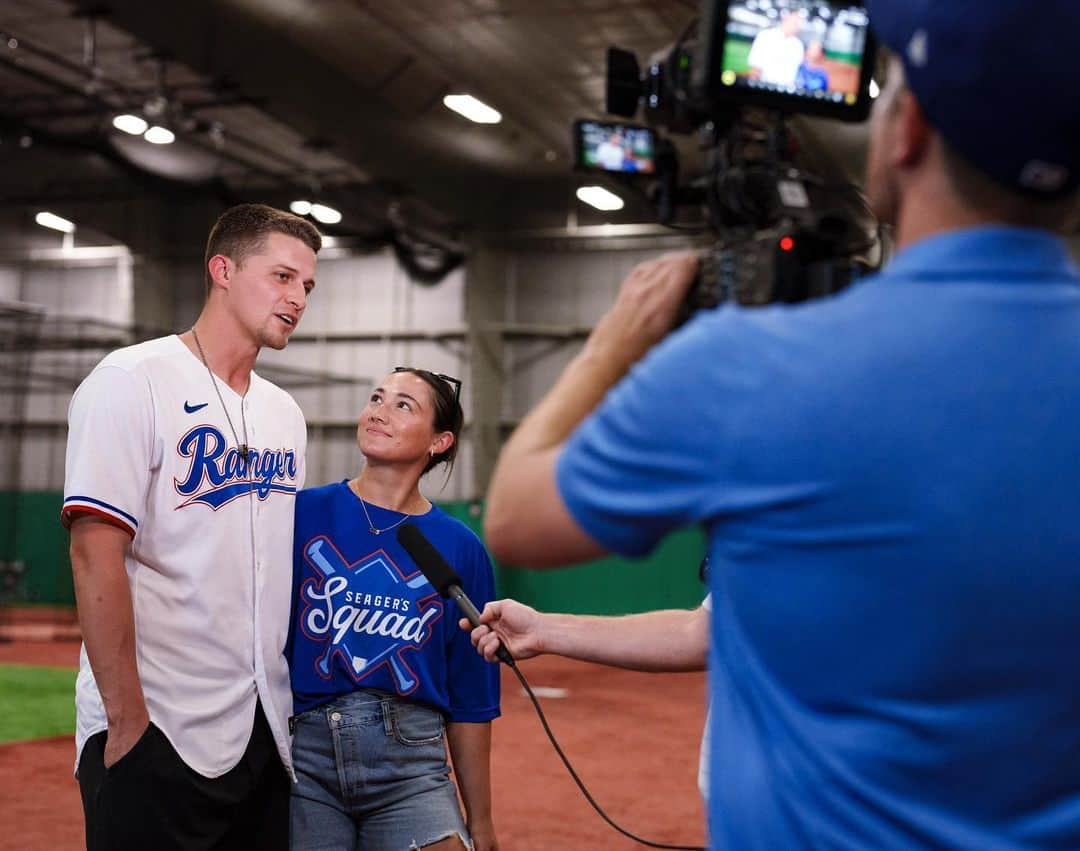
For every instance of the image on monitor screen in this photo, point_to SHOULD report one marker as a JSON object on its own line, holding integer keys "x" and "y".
{"x": 802, "y": 48}
{"x": 617, "y": 147}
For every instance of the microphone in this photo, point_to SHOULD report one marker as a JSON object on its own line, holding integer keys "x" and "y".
{"x": 446, "y": 581}
{"x": 442, "y": 576}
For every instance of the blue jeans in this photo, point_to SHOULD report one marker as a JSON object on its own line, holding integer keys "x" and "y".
{"x": 372, "y": 775}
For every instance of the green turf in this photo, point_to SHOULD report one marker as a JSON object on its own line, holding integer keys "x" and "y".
{"x": 36, "y": 702}
{"x": 736, "y": 55}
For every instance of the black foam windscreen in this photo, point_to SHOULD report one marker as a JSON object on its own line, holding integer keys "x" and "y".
{"x": 430, "y": 561}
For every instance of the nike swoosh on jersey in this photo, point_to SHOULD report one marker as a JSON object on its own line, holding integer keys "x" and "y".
{"x": 191, "y": 409}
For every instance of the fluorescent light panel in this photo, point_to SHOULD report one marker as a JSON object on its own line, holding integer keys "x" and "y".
{"x": 159, "y": 135}
{"x": 599, "y": 197}
{"x": 130, "y": 124}
{"x": 473, "y": 109}
{"x": 301, "y": 208}
{"x": 325, "y": 215}
{"x": 51, "y": 220}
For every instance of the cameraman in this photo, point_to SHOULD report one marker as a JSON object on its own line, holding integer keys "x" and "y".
{"x": 889, "y": 478}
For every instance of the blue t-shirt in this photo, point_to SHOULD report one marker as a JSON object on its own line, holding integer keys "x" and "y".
{"x": 890, "y": 481}
{"x": 364, "y": 616}
{"x": 811, "y": 79}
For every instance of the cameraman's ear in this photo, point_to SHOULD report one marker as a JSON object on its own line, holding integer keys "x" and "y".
{"x": 911, "y": 132}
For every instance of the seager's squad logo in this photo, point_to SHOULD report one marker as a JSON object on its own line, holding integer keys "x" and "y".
{"x": 367, "y": 613}
{"x": 217, "y": 473}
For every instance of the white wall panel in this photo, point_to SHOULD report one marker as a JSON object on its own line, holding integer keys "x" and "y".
{"x": 98, "y": 290}
{"x": 372, "y": 293}
{"x": 9, "y": 283}
{"x": 47, "y": 407}
{"x": 557, "y": 287}
{"x": 332, "y": 456}
{"x": 93, "y": 291}
{"x": 41, "y": 464}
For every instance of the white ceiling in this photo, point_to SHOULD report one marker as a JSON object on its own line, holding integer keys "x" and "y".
{"x": 332, "y": 98}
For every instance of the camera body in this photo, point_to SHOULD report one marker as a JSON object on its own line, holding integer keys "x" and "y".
{"x": 734, "y": 78}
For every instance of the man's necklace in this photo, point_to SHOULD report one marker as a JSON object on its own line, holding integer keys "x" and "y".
{"x": 372, "y": 528}
{"x": 242, "y": 448}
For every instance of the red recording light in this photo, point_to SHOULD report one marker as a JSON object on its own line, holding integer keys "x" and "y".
{"x": 786, "y": 243}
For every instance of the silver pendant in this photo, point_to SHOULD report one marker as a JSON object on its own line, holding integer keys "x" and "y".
{"x": 373, "y": 530}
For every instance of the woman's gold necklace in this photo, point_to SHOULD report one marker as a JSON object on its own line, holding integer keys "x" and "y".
{"x": 372, "y": 528}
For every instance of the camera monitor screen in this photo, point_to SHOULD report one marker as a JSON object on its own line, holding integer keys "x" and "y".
{"x": 796, "y": 55}
{"x": 604, "y": 146}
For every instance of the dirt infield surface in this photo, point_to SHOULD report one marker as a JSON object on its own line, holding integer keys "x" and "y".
{"x": 632, "y": 737}
{"x": 49, "y": 654}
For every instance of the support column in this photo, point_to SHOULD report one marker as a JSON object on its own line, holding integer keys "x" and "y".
{"x": 488, "y": 278}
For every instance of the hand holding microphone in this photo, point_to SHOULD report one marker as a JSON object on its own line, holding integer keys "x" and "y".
{"x": 443, "y": 578}
{"x": 509, "y": 623}
{"x": 522, "y": 626}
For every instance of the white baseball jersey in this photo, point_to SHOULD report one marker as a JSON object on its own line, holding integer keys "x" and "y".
{"x": 778, "y": 56}
{"x": 210, "y": 564}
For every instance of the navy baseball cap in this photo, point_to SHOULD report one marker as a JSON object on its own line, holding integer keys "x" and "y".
{"x": 998, "y": 79}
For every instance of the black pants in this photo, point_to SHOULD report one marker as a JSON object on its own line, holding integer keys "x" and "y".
{"x": 150, "y": 799}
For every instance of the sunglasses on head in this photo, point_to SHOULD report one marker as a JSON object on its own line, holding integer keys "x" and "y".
{"x": 449, "y": 379}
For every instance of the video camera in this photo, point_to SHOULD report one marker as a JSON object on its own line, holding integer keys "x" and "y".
{"x": 734, "y": 78}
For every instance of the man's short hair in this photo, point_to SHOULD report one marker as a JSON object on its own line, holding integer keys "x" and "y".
{"x": 242, "y": 231}
{"x": 1001, "y": 203}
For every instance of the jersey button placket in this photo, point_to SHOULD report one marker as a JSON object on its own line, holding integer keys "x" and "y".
{"x": 254, "y": 442}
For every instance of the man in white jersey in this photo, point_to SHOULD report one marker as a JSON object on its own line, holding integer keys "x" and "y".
{"x": 182, "y": 465}
{"x": 777, "y": 52}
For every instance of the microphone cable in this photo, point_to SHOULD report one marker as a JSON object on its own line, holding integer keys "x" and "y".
{"x": 577, "y": 779}
{"x": 448, "y": 584}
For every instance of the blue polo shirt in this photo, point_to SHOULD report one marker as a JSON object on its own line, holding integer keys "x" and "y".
{"x": 890, "y": 480}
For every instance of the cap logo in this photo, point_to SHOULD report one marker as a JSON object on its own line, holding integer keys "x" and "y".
{"x": 1042, "y": 176}
{"x": 918, "y": 49}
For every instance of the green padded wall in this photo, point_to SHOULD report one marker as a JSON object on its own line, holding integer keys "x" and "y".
{"x": 666, "y": 579}
{"x": 31, "y": 532}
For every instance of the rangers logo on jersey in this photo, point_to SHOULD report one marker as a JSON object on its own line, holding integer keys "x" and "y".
{"x": 218, "y": 474}
{"x": 367, "y": 614}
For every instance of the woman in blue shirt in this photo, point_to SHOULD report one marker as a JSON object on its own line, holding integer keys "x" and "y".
{"x": 382, "y": 677}
{"x": 812, "y": 75}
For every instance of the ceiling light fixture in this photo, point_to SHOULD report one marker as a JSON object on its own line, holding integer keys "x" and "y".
{"x": 53, "y": 221}
{"x": 473, "y": 109}
{"x": 599, "y": 197}
{"x": 301, "y": 208}
{"x": 130, "y": 124}
{"x": 158, "y": 135}
{"x": 325, "y": 215}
